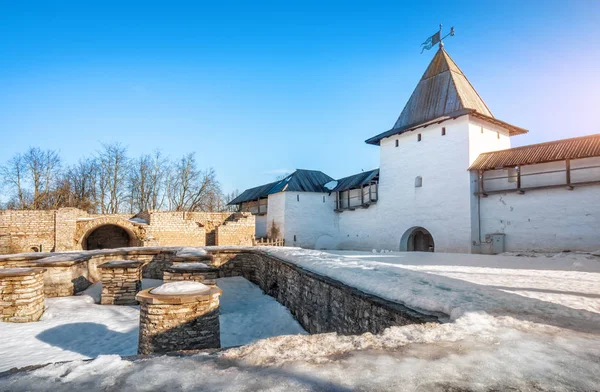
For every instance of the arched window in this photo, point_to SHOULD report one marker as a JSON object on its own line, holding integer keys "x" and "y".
{"x": 418, "y": 181}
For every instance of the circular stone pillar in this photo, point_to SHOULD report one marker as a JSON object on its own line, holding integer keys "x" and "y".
{"x": 21, "y": 294}
{"x": 179, "y": 316}
{"x": 121, "y": 281}
{"x": 194, "y": 272}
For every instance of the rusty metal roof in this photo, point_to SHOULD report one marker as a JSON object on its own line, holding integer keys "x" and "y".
{"x": 442, "y": 92}
{"x": 558, "y": 150}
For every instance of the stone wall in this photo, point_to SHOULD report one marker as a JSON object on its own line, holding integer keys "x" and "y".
{"x": 21, "y": 294}
{"x": 26, "y": 231}
{"x": 320, "y": 304}
{"x": 175, "y": 229}
{"x": 121, "y": 281}
{"x": 239, "y": 230}
{"x": 173, "y": 323}
{"x": 70, "y": 228}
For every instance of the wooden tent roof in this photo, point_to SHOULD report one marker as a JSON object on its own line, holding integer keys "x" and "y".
{"x": 443, "y": 92}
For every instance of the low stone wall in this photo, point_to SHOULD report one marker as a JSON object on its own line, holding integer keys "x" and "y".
{"x": 21, "y": 294}
{"x": 178, "y": 322}
{"x": 191, "y": 272}
{"x": 320, "y": 304}
{"x": 121, "y": 281}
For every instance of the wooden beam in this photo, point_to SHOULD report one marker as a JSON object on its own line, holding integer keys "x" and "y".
{"x": 568, "y": 174}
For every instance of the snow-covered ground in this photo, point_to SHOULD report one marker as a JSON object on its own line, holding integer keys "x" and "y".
{"x": 77, "y": 328}
{"x": 514, "y": 323}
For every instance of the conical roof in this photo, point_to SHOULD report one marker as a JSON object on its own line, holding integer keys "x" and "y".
{"x": 443, "y": 92}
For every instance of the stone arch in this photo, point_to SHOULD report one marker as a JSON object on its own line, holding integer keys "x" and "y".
{"x": 109, "y": 232}
{"x": 417, "y": 239}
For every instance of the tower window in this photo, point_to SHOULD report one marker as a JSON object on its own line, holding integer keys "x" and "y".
{"x": 481, "y": 129}
{"x": 498, "y": 135}
{"x": 419, "y": 137}
{"x": 298, "y": 197}
{"x": 294, "y": 237}
{"x": 418, "y": 182}
{"x": 444, "y": 131}
{"x": 323, "y": 199}
{"x": 396, "y": 142}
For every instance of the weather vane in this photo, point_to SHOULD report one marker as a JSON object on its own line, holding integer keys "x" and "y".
{"x": 436, "y": 38}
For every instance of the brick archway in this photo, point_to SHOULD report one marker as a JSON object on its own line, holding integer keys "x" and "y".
{"x": 113, "y": 231}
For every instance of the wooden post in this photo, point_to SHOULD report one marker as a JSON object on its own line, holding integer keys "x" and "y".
{"x": 519, "y": 191}
{"x": 568, "y": 174}
{"x": 481, "y": 187}
{"x": 362, "y": 195}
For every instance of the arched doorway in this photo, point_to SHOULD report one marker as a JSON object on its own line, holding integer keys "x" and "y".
{"x": 107, "y": 237}
{"x": 417, "y": 239}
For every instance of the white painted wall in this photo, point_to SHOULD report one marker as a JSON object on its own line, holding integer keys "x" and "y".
{"x": 261, "y": 226}
{"x": 544, "y": 220}
{"x": 310, "y": 217}
{"x": 276, "y": 213}
{"x": 552, "y": 219}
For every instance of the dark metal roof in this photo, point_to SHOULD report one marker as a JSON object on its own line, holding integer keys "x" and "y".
{"x": 253, "y": 193}
{"x": 299, "y": 181}
{"x": 558, "y": 150}
{"x": 355, "y": 181}
{"x": 444, "y": 92}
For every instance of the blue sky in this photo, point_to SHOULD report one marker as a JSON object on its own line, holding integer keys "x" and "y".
{"x": 261, "y": 88}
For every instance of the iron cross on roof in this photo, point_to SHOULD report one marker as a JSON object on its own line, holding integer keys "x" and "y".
{"x": 436, "y": 38}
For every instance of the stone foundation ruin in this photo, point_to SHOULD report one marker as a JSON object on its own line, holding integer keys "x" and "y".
{"x": 179, "y": 321}
{"x": 74, "y": 229}
{"x": 319, "y": 303}
{"x": 21, "y": 294}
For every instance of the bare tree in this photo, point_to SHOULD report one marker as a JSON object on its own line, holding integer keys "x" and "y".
{"x": 191, "y": 189}
{"x": 13, "y": 175}
{"x": 43, "y": 169}
{"x": 112, "y": 175}
{"x": 81, "y": 180}
{"x": 146, "y": 181}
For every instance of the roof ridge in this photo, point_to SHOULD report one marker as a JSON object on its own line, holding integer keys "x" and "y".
{"x": 543, "y": 143}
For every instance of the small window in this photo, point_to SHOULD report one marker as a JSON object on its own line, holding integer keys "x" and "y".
{"x": 498, "y": 135}
{"x": 419, "y": 137}
{"x": 294, "y": 237}
{"x": 298, "y": 197}
{"x": 444, "y": 131}
{"x": 396, "y": 142}
{"x": 418, "y": 182}
{"x": 481, "y": 129}
{"x": 323, "y": 199}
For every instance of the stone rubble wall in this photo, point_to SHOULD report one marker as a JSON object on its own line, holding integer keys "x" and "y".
{"x": 320, "y": 304}
{"x": 166, "y": 327}
{"x": 121, "y": 284}
{"x": 239, "y": 230}
{"x": 66, "y": 229}
{"x": 22, "y": 230}
{"x": 208, "y": 277}
{"x": 22, "y": 297}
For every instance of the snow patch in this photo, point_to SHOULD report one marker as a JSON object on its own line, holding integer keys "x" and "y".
{"x": 183, "y": 287}
{"x": 331, "y": 185}
{"x": 139, "y": 220}
{"x": 190, "y": 266}
{"x": 190, "y": 251}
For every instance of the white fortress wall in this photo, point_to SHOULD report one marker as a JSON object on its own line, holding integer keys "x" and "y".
{"x": 548, "y": 219}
